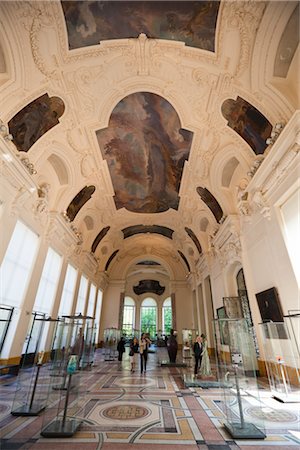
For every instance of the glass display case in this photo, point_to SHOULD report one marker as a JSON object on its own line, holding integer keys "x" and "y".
{"x": 281, "y": 360}
{"x": 65, "y": 393}
{"x": 236, "y": 367}
{"x": 33, "y": 378}
{"x": 188, "y": 340}
{"x": 111, "y": 339}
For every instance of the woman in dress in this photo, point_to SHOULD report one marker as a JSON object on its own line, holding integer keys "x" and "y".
{"x": 205, "y": 364}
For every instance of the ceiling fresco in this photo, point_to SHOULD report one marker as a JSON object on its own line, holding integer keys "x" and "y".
{"x": 194, "y": 239}
{"x": 110, "y": 259}
{"x": 149, "y": 286}
{"x": 99, "y": 238}
{"x": 248, "y": 122}
{"x": 211, "y": 202}
{"x": 145, "y": 150}
{"x": 34, "y": 120}
{"x": 138, "y": 229}
{"x": 193, "y": 22}
{"x": 185, "y": 260}
{"x": 78, "y": 201}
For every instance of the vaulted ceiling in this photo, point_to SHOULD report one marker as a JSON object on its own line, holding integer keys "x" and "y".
{"x": 144, "y": 119}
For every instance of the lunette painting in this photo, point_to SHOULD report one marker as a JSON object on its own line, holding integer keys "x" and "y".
{"x": 248, "y": 122}
{"x": 145, "y": 149}
{"x": 90, "y": 22}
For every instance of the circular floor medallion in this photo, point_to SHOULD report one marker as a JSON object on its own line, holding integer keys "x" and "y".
{"x": 272, "y": 415}
{"x": 126, "y": 412}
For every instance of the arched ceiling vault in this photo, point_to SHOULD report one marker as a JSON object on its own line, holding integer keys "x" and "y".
{"x": 182, "y": 99}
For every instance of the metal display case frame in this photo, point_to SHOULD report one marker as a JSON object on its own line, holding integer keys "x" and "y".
{"x": 237, "y": 377}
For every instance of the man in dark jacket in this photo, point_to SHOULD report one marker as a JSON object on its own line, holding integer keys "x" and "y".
{"x": 121, "y": 348}
{"x": 198, "y": 348}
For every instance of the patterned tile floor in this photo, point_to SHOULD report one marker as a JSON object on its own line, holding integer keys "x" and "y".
{"x": 121, "y": 410}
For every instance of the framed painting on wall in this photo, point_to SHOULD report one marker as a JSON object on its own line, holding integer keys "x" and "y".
{"x": 270, "y": 308}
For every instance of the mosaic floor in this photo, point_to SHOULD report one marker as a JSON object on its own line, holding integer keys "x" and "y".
{"x": 121, "y": 410}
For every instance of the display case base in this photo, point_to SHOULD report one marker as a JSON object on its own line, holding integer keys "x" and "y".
{"x": 25, "y": 410}
{"x": 58, "y": 429}
{"x": 249, "y": 431}
{"x": 192, "y": 381}
{"x": 291, "y": 398}
{"x": 169, "y": 364}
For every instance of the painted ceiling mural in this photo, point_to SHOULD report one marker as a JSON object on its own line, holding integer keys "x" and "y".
{"x": 34, "y": 120}
{"x": 193, "y": 22}
{"x": 78, "y": 201}
{"x": 138, "y": 229}
{"x": 211, "y": 202}
{"x": 99, "y": 238}
{"x": 194, "y": 239}
{"x": 248, "y": 122}
{"x": 145, "y": 149}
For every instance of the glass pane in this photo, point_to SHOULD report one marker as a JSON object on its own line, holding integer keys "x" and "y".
{"x": 17, "y": 265}
{"x": 82, "y": 295}
{"x": 148, "y": 320}
{"x": 48, "y": 283}
{"x": 66, "y": 301}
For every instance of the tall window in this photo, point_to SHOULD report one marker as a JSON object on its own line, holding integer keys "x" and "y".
{"x": 149, "y": 317}
{"x": 44, "y": 300}
{"x": 48, "y": 283}
{"x": 67, "y": 295}
{"x": 98, "y": 314}
{"x": 290, "y": 211}
{"x": 91, "y": 301}
{"x": 128, "y": 317}
{"x": 167, "y": 316}
{"x": 17, "y": 265}
{"x": 80, "y": 306}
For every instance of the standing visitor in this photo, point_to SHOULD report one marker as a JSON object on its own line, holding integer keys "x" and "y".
{"x": 198, "y": 348}
{"x": 205, "y": 364}
{"x": 134, "y": 349}
{"x": 121, "y": 348}
{"x": 144, "y": 345}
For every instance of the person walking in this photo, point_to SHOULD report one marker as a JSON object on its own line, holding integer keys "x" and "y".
{"x": 144, "y": 345}
{"x": 121, "y": 348}
{"x": 198, "y": 349}
{"x": 133, "y": 351}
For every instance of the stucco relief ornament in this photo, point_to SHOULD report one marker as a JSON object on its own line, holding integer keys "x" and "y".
{"x": 39, "y": 22}
{"x": 41, "y": 204}
{"x": 255, "y": 165}
{"x": 243, "y": 204}
{"x": 246, "y": 16}
{"x": 260, "y": 204}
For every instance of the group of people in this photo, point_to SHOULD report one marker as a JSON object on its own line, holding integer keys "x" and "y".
{"x": 141, "y": 347}
{"x": 136, "y": 347}
{"x": 201, "y": 356}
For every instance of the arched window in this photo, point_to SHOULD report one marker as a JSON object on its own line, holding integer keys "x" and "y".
{"x": 128, "y": 316}
{"x": 167, "y": 316}
{"x": 149, "y": 317}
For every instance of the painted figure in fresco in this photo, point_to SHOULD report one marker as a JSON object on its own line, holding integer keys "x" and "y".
{"x": 172, "y": 347}
{"x": 34, "y": 120}
{"x": 248, "y": 122}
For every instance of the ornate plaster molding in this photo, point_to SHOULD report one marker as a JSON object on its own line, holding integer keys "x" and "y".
{"x": 246, "y": 17}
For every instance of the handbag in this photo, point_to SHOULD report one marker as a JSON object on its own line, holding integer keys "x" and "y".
{"x": 131, "y": 352}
